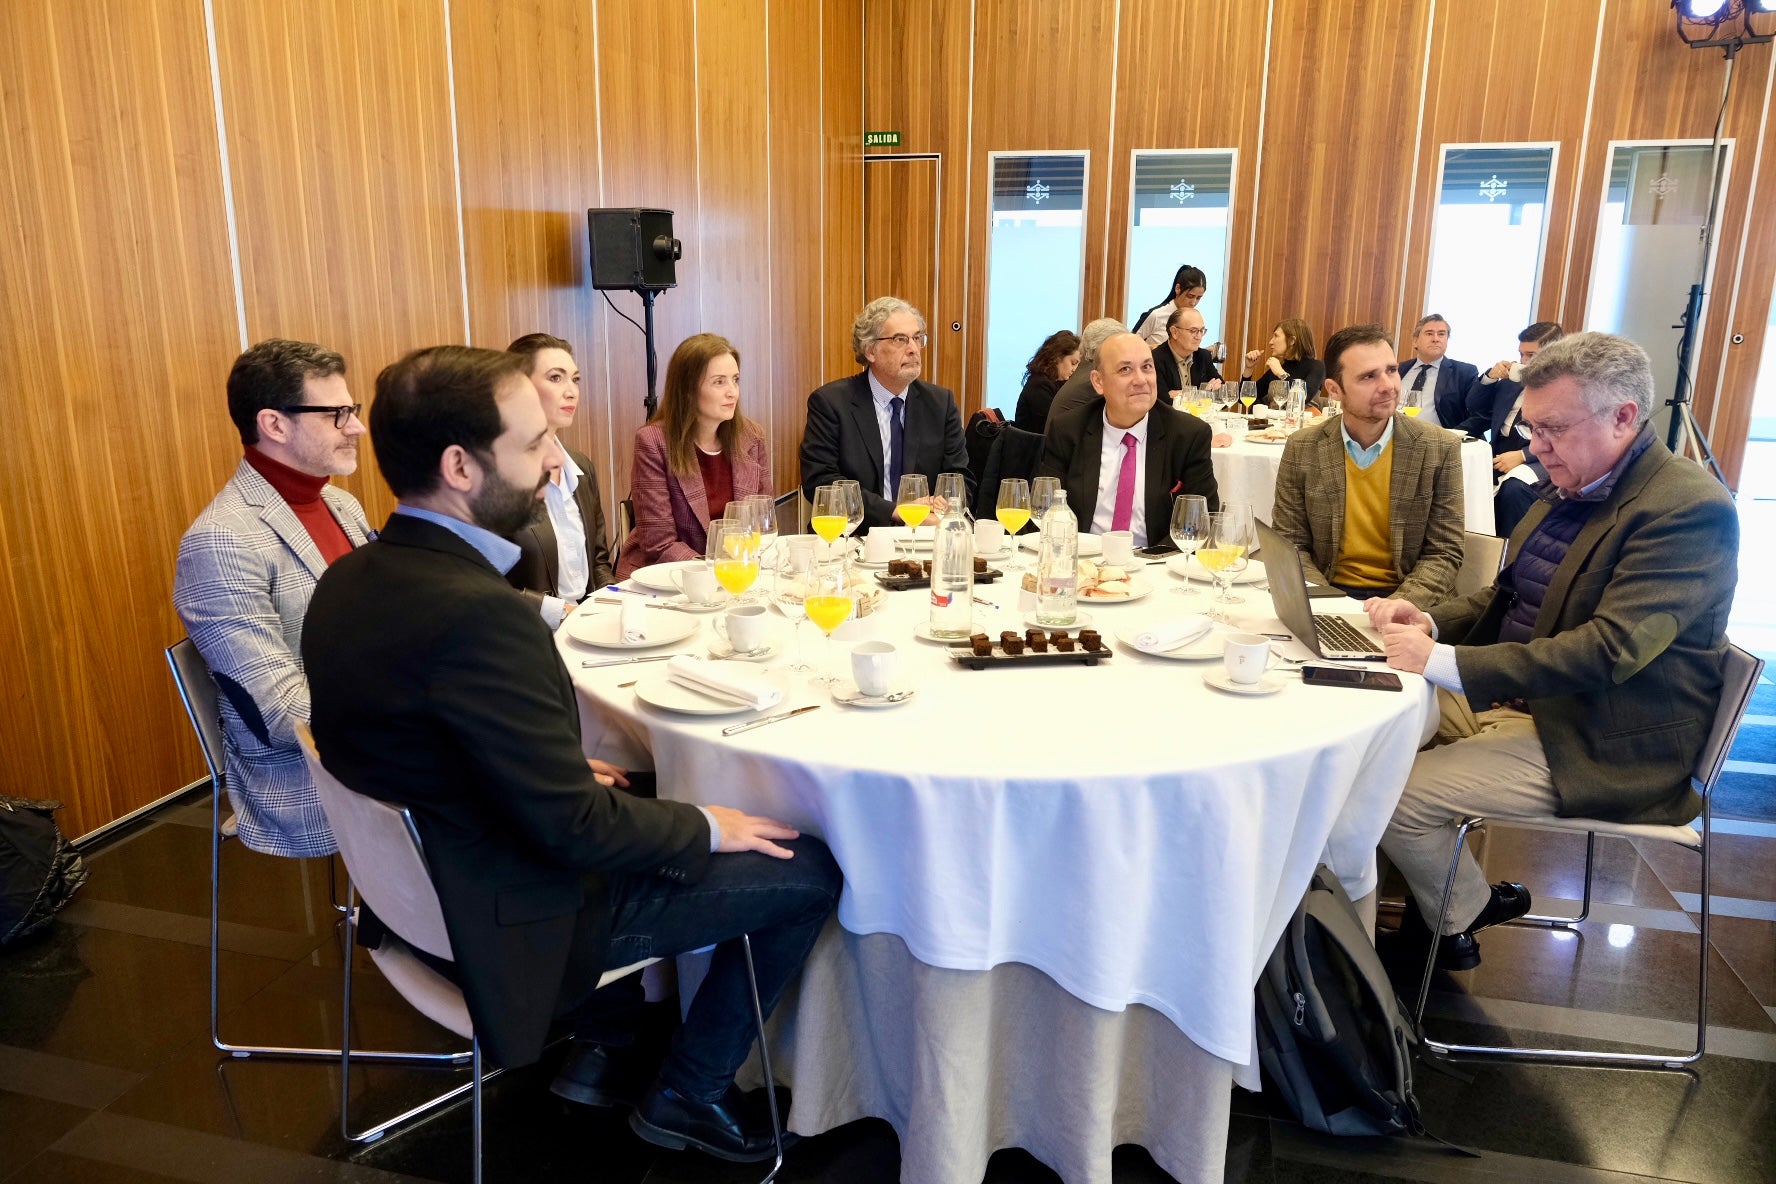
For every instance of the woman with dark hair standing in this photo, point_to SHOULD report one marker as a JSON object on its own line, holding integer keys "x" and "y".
{"x": 1290, "y": 355}
{"x": 1053, "y": 363}
{"x": 697, "y": 454}
{"x": 563, "y": 556}
{"x": 1188, "y": 287}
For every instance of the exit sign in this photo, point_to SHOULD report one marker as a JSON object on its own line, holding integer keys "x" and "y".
{"x": 881, "y": 139}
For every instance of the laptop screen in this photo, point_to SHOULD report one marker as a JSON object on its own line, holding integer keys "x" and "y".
{"x": 1288, "y": 587}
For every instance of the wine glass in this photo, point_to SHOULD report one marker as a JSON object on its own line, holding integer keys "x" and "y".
{"x": 795, "y": 577}
{"x": 733, "y": 551}
{"x": 912, "y": 504}
{"x": 953, "y": 489}
{"x": 1190, "y": 526}
{"x": 1042, "y": 492}
{"x": 1412, "y": 402}
{"x": 853, "y": 505}
{"x": 763, "y": 508}
{"x": 829, "y": 605}
{"x": 1224, "y": 552}
{"x": 1248, "y": 394}
{"x": 830, "y": 517}
{"x": 1013, "y": 509}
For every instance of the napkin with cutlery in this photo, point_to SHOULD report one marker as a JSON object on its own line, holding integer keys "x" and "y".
{"x": 632, "y": 621}
{"x": 1171, "y": 635}
{"x": 724, "y": 680}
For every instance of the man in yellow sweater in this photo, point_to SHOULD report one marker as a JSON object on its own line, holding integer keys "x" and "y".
{"x": 1371, "y": 498}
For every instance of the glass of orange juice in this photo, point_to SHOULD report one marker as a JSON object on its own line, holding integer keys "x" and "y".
{"x": 829, "y": 605}
{"x": 733, "y": 552}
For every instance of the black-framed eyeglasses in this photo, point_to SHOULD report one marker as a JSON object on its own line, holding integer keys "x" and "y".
{"x": 903, "y": 340}
{"x": 342, "y": 415}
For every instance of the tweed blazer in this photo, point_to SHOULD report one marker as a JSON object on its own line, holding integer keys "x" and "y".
{"x": 672, "y": 510}
{"x": 1622, "y": 672}
{"x": 1425, "y": 510}
{"x": 241, "y": 585}
{"x": 538, "y": 570}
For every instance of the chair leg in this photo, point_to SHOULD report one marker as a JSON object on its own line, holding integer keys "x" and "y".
{"x": 1424, "y": 985}
{"x": 475, "y": 1047}
{"x": 1584, "y": 905}
{"x": 758, "y": 1015}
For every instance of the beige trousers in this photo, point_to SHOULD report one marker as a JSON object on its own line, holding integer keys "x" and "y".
{"x": 1486, "y": 763}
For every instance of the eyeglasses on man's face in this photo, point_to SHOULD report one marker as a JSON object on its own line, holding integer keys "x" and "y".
{"x": 1552, "y": 432}
{"x": 1196, "y": 332}
{"x": 342, "y": 414}
{"x": 902, "y": 340}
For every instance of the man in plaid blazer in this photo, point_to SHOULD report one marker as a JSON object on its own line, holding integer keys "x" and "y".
{"x": 1372, "y": 498}
{"x": 248, "y": 565}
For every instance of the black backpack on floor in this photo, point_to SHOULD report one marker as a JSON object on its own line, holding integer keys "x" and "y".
{"x": 1334, "y": 1043}
{"x": 39, "y": 869}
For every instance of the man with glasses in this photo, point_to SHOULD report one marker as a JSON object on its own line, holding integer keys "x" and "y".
{"x": 1180, "y": 360}
{"x": 1584, "y": 681}
{"x": 883, "y": 422}
{"x": 248, "y": 565}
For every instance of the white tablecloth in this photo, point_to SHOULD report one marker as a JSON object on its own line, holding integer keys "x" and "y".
{"x": 1136, "y": 836}
{"x": 1247, "y": 472}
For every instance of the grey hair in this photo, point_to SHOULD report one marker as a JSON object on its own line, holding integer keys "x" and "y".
{"x": 1092, "y": 339}
{"x": 1610, "y": 371}
{"x": 868, "y": 325}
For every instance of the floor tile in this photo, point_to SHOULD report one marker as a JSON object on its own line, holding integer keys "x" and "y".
{"x": 1740, "y": 865}
{"x": 29, "y": 1124}
{"x": 1749, "y": 947}
{"x": 1552, "y": 865}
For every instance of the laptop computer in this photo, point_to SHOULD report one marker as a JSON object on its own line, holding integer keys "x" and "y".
{"x": 1337, "y": 636}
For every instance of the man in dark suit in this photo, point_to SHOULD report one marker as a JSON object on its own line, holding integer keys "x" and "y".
{"x": 1501, "y": 389}
{"x": 1584, "y": 681}
{"x": 1182, "y": 348}
{"x": 1121, "y": 458}
{"x": 883, "y": 422}
{"x": 1440, "y": 385}
{"x": 436, "y": 685}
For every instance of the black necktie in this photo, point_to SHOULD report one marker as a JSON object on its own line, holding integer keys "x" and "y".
{"x": 896, "y": 443}
{"x": 1418, "y": 380}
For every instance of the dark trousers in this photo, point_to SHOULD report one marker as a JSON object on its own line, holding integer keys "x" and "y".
{"x": 1509, "y": 505}
{"x": 781, "y": 903}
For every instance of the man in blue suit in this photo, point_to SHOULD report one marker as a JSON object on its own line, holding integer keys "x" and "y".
{"x": 1441, "y": 385}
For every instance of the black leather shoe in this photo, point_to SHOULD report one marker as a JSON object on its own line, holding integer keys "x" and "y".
{"x": 728, "y": 1129}
{"x": 595, "y": 1075}
{"x": 1509, "y": 901}
{"x": 1455, "y": 951}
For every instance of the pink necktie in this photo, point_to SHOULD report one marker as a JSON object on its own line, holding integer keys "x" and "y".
{"x": 1125, "y": 485}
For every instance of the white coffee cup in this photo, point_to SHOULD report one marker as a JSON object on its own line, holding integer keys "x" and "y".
{"x": 1247, "y": 657}
{"x": 1119, "y": 547}
{"x": 989, "y": 537}
{"x": 872, "y": 666}
{"x": 878, "y": 547}
{"x": 1515, "y": 373}
{"x": 745, "y": 627}
{"x": 697, "y": 583}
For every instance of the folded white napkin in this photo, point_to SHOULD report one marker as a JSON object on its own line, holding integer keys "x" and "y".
{"x": 632, "y": 621}
{"x": 1170, "y": 635}
{"x": 724, "y": 681}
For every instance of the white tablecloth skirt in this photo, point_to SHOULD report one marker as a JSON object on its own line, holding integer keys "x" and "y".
{"x": 1247, "y": 473}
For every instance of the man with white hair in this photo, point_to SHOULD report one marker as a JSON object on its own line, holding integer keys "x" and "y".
{"x": 1077, "y": 391}
{"x": 1585, "y": 680}
{"x": 883, "y": 422}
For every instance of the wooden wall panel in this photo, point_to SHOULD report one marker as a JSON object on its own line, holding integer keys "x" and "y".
{"x": 117, "y": 330}
{"x": 1743, "y": 307}
{"x": 794, "y": 210}
{"x": 842, "y": 127}
{"x": 1042, "y": 83}
{"x": 902, "y": 200}
{"x": 527, "y": 142}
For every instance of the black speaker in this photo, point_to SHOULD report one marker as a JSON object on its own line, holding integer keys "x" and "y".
{"x": 633, "y": 248}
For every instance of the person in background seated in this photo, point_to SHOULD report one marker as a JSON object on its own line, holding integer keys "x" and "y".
{"x": 1180, "y": 361}
{"x": 697, "y": 454}
{"x": 1584, "y": 682}
{"x": 436, "y": 685}
{"x": 563, "y": 556}
{"x": 1188, "y": 287}
{"x": 1500, "y": 393}
{"x": 1077, "y": 391}
{"x": 1289, "y": 356}
{"x": 883, "y": 422}
{"x": 247, "y": 567}
{"x": 1122, "y": 458}
{"x": 1371, "y": 498}
{"x": 1438, "y": 385}
{"x": 1053, "y": 363}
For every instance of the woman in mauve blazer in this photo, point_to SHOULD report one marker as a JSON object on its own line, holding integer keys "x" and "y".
{"x": 697, "y": 454}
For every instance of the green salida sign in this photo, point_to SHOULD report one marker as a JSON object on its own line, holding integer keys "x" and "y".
{"x": 881, "y": 139}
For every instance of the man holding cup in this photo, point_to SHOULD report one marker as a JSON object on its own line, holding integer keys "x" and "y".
{"x": 1500, "y": 390}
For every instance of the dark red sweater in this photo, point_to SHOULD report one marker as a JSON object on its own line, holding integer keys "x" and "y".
{"x": 303, "y": 493}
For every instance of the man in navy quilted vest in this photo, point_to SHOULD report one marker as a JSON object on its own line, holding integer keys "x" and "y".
{"x": 1585, "y": 681}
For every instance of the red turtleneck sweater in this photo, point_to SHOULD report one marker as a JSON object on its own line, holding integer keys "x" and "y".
{"x": 303, "y": 493}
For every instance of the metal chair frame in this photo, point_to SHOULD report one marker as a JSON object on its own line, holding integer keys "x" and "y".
{"x": 1734, "y": 701}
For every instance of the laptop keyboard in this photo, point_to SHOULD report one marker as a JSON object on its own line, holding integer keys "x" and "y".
{"x": 1336, "y": 633}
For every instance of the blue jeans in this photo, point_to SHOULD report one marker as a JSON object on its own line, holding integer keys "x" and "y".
{"x": 781, "y": 903}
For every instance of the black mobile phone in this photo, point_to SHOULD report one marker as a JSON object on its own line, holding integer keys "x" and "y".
{"x": 1157, "y": 551}
{"x": 1344, "y": 676}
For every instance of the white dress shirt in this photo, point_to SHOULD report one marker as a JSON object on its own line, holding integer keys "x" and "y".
{"x": 574, "y": 570}
{"x": 1427, "y": 398}
{"x": 1110, "y": 471}
{"x": 884, "y": 399}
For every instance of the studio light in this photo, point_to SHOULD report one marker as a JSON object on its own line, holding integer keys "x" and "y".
{"x": 1701, "y": 10}
{"x": 1725, "y": 24}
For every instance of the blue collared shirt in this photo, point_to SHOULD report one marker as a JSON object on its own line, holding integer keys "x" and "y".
{"x": 1364, "y": 457}
{"x": 502, "y": 553}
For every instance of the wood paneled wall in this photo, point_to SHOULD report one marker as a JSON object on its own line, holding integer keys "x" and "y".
{"x": 1338, "y": 109}
{"x": 379, "y": 177}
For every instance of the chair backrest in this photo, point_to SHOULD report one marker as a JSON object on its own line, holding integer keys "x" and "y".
{"x": 1740, "y": 671}
{"x": 197, "y": 690}
{"x": 1481, "y": 556}
{"x": 790, "y": 518}
{"x": 383, "y": 856}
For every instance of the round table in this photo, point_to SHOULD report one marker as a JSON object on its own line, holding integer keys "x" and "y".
{"x": 1247, "y": 472}
{"x": 1136, "y": 837}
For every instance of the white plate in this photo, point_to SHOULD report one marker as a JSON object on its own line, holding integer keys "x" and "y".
{"x": 1089, "y": 544}
{"x": 1210, "y": 645}
{"x": 658, "y": 576}
{"x": 1138, "y": 588}
{"x": 1270, "y": 684}
{"x": 1080, "y": 621}
{"x": 720, "y": 648}
{"x": 660, "y": 691}
{"x": 922, "y": 631}
{"x": 1178, "y": 565}
{"x": 848, "y": 694}
{"x": 605, "y": 630}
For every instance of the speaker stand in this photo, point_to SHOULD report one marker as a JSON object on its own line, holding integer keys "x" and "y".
{"x": 652, "y": 402}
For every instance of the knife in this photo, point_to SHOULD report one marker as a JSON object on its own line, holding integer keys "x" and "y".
{"x": 677, "y": 608}
{"x": 736, "y": 729}
{"x": 593, "y": 663}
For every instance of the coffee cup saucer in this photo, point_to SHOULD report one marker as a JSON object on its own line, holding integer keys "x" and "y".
{"x": 1269, "y": 684}
{"x": 720, "y": 648}
{"x": 846, "y": 692}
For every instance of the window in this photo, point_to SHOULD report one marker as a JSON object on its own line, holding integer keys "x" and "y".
{"x": 1488, "y": 234}
{"x": 1035, "y": 261}
{"x": 1180, "y": 210}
